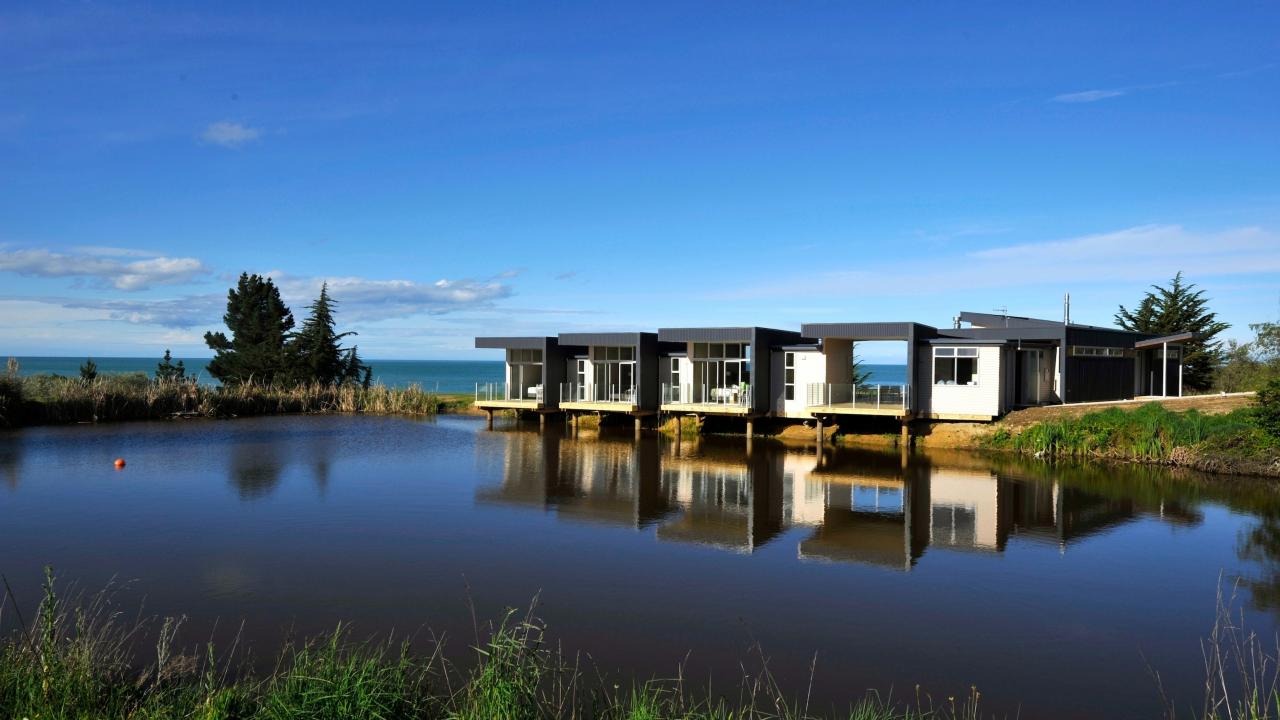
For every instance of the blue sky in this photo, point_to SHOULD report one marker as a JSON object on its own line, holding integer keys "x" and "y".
{"x": 528, "y": 168}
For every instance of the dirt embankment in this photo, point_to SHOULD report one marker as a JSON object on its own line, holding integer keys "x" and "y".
{"x": 1207, "y": 404}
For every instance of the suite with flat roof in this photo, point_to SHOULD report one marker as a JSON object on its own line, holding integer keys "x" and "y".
{"x": 977, "y": 370}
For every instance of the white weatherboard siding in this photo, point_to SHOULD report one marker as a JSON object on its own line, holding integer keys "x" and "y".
{"x": 982, "y": 399}
{"x": 810, "y": 367}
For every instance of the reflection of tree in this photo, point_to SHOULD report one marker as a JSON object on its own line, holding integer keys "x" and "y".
{"x": 255, "y": 469}
{"x": 10, "y": 461}
{"x": 1261, "y": 544}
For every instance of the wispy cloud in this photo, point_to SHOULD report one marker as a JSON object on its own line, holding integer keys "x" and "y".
{"x": 1088, "y": 96}
{"x": 229, "y": 134}
{"x": 105, "y": 268}
{"x": 363, "y": 299}
{"x": 1136, "y": 254}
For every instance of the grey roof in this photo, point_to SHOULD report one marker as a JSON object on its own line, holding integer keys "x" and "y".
{"x": 968, "y": 341}
{"x": 603, "y": 338}
{"x": 709, "y": 334}
{"x": 991, "y": 320}
{"x": 1176, "y": 338}
{"x": 533, "y": 342}
{"x": 864, "y": 330}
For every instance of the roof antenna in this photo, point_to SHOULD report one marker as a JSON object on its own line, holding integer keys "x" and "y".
{"x": 1004, "y": 310}
{"x": 1066, "y": 309}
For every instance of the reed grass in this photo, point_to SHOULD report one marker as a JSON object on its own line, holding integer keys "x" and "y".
{"x": 82, "y": 658}
{"x": 1148, "y": 433}
{"x": 51, "y": 399}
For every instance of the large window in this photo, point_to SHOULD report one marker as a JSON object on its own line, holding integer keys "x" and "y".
{"x": 615, "y": 372}
{"x": 722, "y": 365}
{"x": 789, "y": 381}
{"x": 1107, "y": 352}
{"x": 955, "y": 366}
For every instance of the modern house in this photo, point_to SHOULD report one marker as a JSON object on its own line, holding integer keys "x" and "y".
{"x": 535, "y": 368}
{"x": 987, "y": 365}
{"x": 982, "y": 367}
{"x": 720, "y": 371}
{"x": 612, "y": 372}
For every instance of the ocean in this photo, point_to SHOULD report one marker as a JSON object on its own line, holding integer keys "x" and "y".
{"x": 446, "y": 376}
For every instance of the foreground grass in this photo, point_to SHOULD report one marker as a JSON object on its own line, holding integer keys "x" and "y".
{"x": 76, "y": 660}
{"x": 51, "y": 399}
{"x": 1151, "y": 433}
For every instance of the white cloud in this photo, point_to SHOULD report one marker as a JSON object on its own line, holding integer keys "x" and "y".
{"x": 229, "y": 134}
{"x": 371, "y": 300}
{"x": 1088, "y": 96}
{"x": 107, "y": 268}
{"x": 1146, "y": 253}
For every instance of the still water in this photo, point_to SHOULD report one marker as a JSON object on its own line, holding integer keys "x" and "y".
{"x": 1050, "y": 589}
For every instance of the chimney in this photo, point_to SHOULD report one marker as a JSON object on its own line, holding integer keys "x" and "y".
{"x": 1066, "y": 309}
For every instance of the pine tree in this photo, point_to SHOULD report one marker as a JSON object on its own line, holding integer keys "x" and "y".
{"x": 316, "y": 351}
{"x": 89, "y": 370}
{"x": 260, "y": 324}
{"x": 1176, "y": 309}
{"x": 167, "y": 371}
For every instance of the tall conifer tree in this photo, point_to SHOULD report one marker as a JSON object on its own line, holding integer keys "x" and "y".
{"x": 260, "y": 324}
{"x": 1175, "y": 309}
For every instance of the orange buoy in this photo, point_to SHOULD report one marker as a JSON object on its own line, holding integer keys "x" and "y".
{"x": 119, "y": 463}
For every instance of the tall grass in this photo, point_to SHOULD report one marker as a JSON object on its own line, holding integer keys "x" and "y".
{"x": 51, "y": 399}
{"x": 1149, "y": 433}
{"x": 80, "y": 658}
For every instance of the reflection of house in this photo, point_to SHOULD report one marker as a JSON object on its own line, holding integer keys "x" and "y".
{"x": 846, "y": 506}
{"x": 597, "y": 481}
{"x": 734, "y": 504}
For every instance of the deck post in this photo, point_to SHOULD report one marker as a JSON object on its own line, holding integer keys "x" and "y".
{"x": 1179, "y": 371}
{"x": 639, "y": 422}
{"x": 750, "y": 428}
{"x": 542, "y": 422}
{"x": 818, "y": 424}
{"x": 906, "y": 433}
{"x": 488, "y": 415}
{"x": 1164, "y": 370}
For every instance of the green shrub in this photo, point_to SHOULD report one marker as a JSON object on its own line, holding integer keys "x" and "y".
{"x": 1267, "y": 413}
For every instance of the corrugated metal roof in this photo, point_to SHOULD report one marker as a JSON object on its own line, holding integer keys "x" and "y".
{"x": 603, "y": 338}
{"x": 709, "y": 334}
{"x": 1178, "y": 338}
{"x": 521, "y": 343}
{"x": 862, "y": 330}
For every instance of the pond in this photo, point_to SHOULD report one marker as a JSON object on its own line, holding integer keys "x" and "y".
{"x": 1055, "y": 590}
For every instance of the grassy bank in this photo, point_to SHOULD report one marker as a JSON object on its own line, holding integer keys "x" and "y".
{"x": 76, "y": 660}
{"x": 1228, "y": 442}
{"x": 51, "y": 399}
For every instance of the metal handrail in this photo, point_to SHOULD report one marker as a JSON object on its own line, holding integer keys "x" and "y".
{"x": 687, "y": 394}
{"x": 867, "y": 396}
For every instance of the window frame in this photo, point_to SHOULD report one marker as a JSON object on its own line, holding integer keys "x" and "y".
{"x": 956, "y": 353}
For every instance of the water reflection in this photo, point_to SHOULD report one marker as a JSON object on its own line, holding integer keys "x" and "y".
{"x": 255, "y": 468}
{"x": 10, "y": 461}
{"x": 857, "y": 506}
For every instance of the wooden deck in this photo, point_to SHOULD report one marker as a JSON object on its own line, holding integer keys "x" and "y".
{"x": 628, "y": 408}
{"x": 848, "y": 409}
{"x": 706, "y": 409}
{"x": 509, "y": 404}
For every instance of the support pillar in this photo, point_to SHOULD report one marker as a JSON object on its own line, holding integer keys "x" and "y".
{"x": 751, "y": 428}
{"x": 639, "y": 426}
{"x": 818, "y": 423}
{"x": 488, "y": 419}
{"x": 542, "y": 422}
{"x": 1164, "y": 370}
{"x": 906, "y": 433}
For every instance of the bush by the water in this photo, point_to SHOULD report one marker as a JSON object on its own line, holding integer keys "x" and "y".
{"x": 1149, "y": 433}
{"x": 1268, "y": 412}
{"x": 53, "y": 399}
{"x": 79, "y": 659}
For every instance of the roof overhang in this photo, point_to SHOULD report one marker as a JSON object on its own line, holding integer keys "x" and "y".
{"x": 1173, "y": 339}
{"x": 863, "y": 330}
{"x": 603, "y": 338}
{"x": 533, "y": 342}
